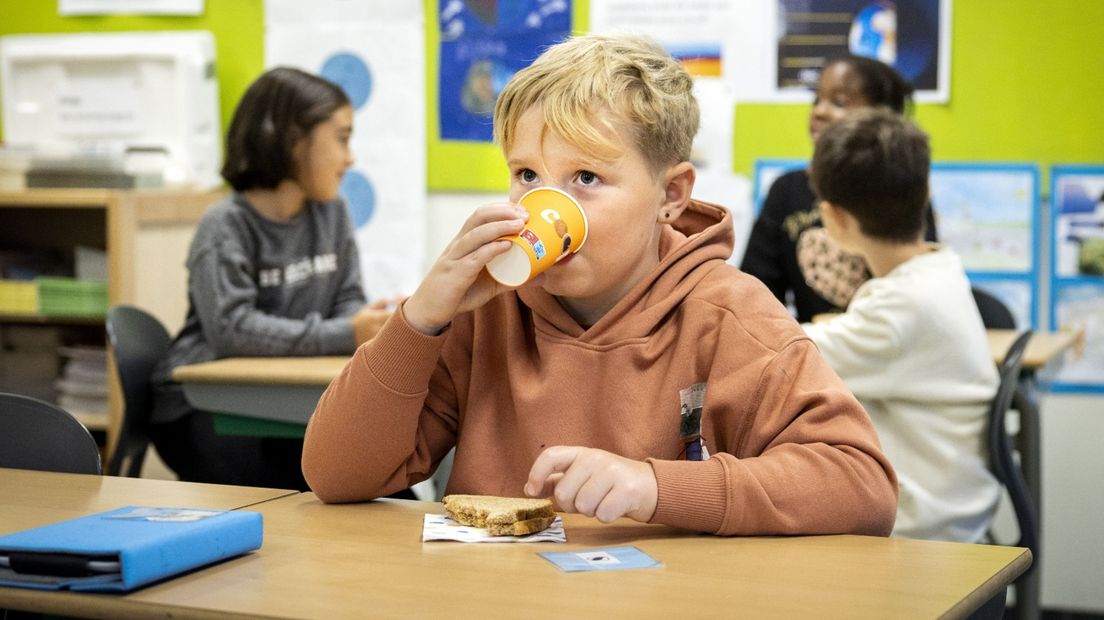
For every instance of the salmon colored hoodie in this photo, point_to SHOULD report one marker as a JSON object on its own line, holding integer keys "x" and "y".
{"x": 791, "y": 450}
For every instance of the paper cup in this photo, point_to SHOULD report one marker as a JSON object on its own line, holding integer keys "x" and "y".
{"x": 557, "y": 228}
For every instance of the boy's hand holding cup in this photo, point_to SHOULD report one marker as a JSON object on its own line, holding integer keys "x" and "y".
{"x": 476, "y": 266}
{"x": 557, "y": 228}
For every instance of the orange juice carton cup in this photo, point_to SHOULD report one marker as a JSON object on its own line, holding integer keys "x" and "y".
{"x": 557, "y": 228}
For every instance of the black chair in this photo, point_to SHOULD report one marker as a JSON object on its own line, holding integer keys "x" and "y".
{"x": 994, "y": 314}
{"x": 138, "y": 342}
{"x": 1004, "y": 466}
{"x": 40, "y": 436}
{"x": 1001, "y": 453}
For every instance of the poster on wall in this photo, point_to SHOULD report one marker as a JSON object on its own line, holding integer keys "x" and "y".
{"x": 694, "y": 32}
{"x": 482, "y": 44}
{"x": 1077, "y": 270}
{"x": 375, "y": 51}
{"x": 784, "y": 59}
{"x": 700, "y": 35}
{"x": 989, "y": 214}
{"x": 130, "y": 7}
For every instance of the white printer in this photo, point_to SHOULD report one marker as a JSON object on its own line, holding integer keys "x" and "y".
{"x": 94, "y": 108}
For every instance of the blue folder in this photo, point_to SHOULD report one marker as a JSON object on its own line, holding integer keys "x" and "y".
{"x": 123, "y": 549}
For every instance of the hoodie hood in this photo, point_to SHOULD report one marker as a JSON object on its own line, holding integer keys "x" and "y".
{"x": 691, "y": 247}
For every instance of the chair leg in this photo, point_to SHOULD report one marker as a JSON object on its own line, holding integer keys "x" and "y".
{"x": 1027, "y": 597}
{"x": 1027, "y": 586}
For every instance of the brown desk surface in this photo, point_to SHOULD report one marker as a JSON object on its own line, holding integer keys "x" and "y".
{"x": 264, "y": 370}
{"x": 34, "y": 498}
{"x": 1041, "y": 349}
{"x": 319, "y": 371}
{"x": 360, "y": 560}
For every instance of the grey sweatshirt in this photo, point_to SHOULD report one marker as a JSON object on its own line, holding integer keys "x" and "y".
{"x": 263, "y": 288}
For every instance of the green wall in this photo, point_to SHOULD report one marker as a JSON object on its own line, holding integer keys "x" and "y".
{"x": 1027, "y": 84}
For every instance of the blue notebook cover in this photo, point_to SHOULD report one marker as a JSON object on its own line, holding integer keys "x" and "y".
{"x": 123, "y": 549}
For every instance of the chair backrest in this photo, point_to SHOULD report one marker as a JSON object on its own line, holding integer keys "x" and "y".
{"x": 994, "y": 314}
{"x": 1001, "y": 458}
{"x": 44, "y": 437}
{"x": 138, "y": 342}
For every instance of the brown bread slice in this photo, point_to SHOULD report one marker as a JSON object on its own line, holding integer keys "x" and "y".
{"x": 501, "y": 516}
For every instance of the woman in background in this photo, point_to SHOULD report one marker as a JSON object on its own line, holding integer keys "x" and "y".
{"x": 789, "y": 249}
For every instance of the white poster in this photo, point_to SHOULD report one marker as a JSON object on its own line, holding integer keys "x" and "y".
{"x": 130, "y": 7}
{"x": 700, "y": 34}
{"x": 374, "y": 50}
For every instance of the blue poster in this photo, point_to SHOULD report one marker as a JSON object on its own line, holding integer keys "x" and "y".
{"x": 1077, "y": 271}
{"x": 483, "y": 43}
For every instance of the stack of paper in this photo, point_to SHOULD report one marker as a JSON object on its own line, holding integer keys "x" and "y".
{"x": 82, "y": 386}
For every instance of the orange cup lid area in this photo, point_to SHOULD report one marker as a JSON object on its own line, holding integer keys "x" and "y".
{"x": 557, "y": 227}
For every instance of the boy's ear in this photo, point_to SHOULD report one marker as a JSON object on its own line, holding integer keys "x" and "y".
{"x": 678, "y": 183}
{"x": 839, "y": 218}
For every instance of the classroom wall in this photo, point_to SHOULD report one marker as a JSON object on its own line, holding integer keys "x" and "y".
{"x": 1027, "y": 84}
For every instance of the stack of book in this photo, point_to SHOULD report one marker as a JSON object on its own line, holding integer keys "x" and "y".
{"x": 71, "y": 297}
{"x": 18, "y": 297}
{"x": 82, "y": 386}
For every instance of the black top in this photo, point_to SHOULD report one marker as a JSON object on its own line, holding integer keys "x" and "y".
{"x": 790, "y": 210}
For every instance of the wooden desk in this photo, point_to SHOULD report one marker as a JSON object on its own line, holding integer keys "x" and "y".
{"x": 34, "y": 498}
{"x": 367, "y": 560}
{"x": 286, "y": 389}
{"x": 280, "y": 389}
{"x": 1043, "y": 348}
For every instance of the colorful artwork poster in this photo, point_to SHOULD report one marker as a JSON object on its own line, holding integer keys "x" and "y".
{"x": 988, "y": 214}
{"x": 1080, "y": 307}
{"x": 1077, "y": 197}
{"x": 1077, "y": 271}
{"x": 483, "y": 43}
{"x": 912, "y": 36}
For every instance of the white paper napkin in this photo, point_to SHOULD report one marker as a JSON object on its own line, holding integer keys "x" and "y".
{"x": 441, "y": 527}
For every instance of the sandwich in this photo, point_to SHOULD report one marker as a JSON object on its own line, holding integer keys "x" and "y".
{"x": 501, "y": 516}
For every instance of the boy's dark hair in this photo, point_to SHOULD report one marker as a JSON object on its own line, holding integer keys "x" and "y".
{"x": 283, "y": 105}
{"x": 881, "y": 84}
{"x": 874, "y": 164}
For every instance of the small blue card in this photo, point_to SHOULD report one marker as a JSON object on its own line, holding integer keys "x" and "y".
{"x": 610, "y": 558}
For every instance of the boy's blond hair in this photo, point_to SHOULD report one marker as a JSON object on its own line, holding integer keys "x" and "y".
{"x": 629, "y": 75}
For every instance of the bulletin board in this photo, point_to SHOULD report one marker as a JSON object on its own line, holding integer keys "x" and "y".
{"x": 1077, "y": 271}
{"x": 989, "y": 214}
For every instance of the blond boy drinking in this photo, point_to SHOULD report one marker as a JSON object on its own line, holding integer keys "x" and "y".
{"x": 596, "y": 382}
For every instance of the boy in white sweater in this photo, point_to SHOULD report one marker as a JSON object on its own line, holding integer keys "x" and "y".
{"x": 911, "y": 345}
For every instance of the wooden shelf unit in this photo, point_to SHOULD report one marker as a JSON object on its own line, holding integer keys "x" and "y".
{"x": 145, "y": 234}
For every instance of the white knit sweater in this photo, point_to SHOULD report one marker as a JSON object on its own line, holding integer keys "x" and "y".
{"x": 913, "y": 349}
